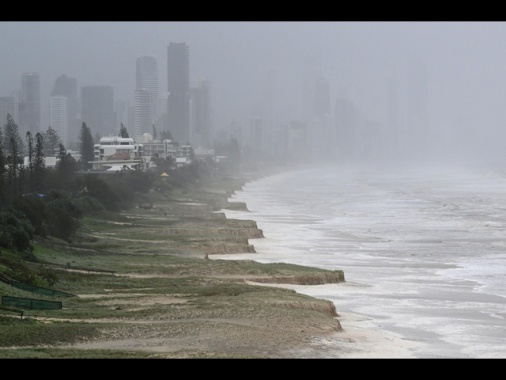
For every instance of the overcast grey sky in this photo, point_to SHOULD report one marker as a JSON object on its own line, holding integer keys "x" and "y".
{"x": 466, "y": 63}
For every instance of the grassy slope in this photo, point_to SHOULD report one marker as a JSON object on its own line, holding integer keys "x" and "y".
{"x": 142, "y": 276}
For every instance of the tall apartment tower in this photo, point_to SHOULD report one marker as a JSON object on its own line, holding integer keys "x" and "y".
{"x": 146, "y": 95}
{"x": 200, "y": 114}
{"x": 97, "y": 110}
{"x": 66, "y": 86}
{"x": 29, "y": 104}
{"x": 59, "y": 117}
{"x": 178, "y": 86}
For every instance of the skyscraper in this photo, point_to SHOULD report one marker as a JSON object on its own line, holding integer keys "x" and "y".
{"x": 178, "y": 86}
{"x": 146, "y": 95}
{"x": 58, "y": 117}
{"x": 65, "y": 86}
{"x": 97, "y": 109}
{"x": 143, "y": 112}
{"x": 29, "y": 104}
{"x": 200, "y": 114}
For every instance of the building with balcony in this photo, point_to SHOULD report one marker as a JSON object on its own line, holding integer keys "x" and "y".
{"x": 115, "y": 153}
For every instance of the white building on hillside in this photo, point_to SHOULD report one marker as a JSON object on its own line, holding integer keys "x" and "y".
{"x": 113, "y": 153}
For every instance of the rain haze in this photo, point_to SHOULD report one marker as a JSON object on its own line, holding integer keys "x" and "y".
{"x": 438, "y": 87}
{"x": 422, "y": 243}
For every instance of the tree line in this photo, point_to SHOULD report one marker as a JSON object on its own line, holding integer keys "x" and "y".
{"x": 36, "y": 200}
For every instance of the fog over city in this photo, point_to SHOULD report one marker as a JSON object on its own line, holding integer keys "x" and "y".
{"x": 416, "y": 89}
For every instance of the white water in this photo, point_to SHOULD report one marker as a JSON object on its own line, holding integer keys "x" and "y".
{"x": 423, "y": 253}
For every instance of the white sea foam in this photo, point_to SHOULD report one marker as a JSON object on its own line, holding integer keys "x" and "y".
{"x": 423, "y": 254}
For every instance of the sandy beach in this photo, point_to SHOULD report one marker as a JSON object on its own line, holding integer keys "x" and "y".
{"x": 160, "y": 293}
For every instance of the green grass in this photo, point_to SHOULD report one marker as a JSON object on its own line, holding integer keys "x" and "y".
{"x": 146, "y": 288}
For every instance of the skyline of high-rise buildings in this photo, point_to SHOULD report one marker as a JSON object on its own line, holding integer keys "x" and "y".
{"x": 186, "y": 111}
{"x": 178, "y": 91}
{"x": 69, "y": 105}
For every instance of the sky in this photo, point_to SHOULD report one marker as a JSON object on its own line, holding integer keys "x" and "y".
{"x": 465, "y": 61}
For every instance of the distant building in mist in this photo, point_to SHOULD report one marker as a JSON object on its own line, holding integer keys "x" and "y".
{"x": 235, "y": 129}
{"x": 121, "y": 111}
{"x": 200, "y": 114}
{"x": 257, "y": 136}
{"x": 321, "y": 99}
{"x": 321, "y": 130}
{"x": 178, "y": 87}
{"x": 29, "y": 104}
{"x": 66, "y": 86}
{"x": 143, "y": 112}
{"x": 97, "y": 110}
{"x": 7, "y": 107}
{"x": 146, "y": 95}
{"x": 297, "y": 141}
{"x": 161, "y": 121}
{"x": 58, "y": 117}
{"x": 346, "y": 127}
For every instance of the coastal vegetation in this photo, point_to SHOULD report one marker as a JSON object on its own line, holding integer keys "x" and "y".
{"x": 140, "y": 282}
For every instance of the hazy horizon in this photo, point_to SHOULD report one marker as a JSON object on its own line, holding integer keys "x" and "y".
{"x": 266, "y": 70}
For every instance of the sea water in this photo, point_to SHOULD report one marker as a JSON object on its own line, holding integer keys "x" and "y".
{"x": 423, "y": 251}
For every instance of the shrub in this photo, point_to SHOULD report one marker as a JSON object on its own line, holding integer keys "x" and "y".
{"x": 16, "y": 232}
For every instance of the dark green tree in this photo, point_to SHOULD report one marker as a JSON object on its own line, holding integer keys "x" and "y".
{"x": 31, "y": 157}
{"x": 3, "y": 171}
{"x": 39, "y": 165}
{"x": 97, "y": 188}
{"x": 155, "y": 134}
{"x": 66, "y": 167}
{"x": 16, "y": 232}
{"x": 166, "y": 135}
{"x": 162, "y": 164}
{"x": 33, "y": 208}
{"x": 14, "y": 161}
{"x": 51, "y": 142}
{"x": 11, "y": 130}
{"x": 123, "y": 132}
{"x": 86, "y": 147}
{"x": 65, "y": 214}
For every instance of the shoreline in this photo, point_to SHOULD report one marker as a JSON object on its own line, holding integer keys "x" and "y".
{"x": 155, "y": 295}
{"x": 358, "y": 337}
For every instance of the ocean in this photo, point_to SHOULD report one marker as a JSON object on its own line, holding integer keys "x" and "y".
{"x": 423, "y": 250}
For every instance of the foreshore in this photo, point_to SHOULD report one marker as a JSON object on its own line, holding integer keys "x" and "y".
{"x": 359, "y": 336}
{"x": 166, "y": 299}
